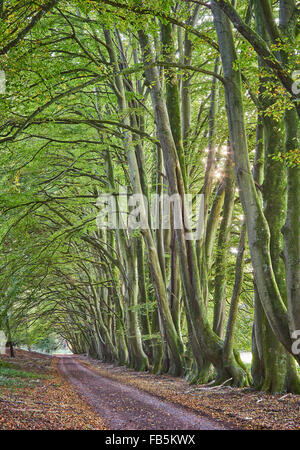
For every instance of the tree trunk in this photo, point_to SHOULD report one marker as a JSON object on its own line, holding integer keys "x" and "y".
{"x": 257, "y": 227}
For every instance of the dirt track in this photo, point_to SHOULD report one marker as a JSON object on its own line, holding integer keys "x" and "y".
{"x": 126, "y": 408}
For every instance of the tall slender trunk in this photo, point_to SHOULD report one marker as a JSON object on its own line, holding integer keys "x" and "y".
{"x": 223, "y": 240}
{"x": 275, "y": 359}
{"x": 171, "y": 334}
{"x": 257, "y": 227}
{"x": 206, "y": 340}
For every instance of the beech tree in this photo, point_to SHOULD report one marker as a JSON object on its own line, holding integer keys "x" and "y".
{"x": 120, "y": 103}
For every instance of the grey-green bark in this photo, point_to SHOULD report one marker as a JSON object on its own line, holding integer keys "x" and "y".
{"x": 257, "y": 227}
{"x": 206, "y": 341}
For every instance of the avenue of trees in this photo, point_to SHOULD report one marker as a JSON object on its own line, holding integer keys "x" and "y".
{"x": 161, "y": 97}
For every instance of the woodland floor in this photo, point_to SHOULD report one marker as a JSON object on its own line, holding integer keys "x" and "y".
{"x": 238, "y": 408}
{"x": 36, "y": 393}
{"x": 35, "y": 396}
